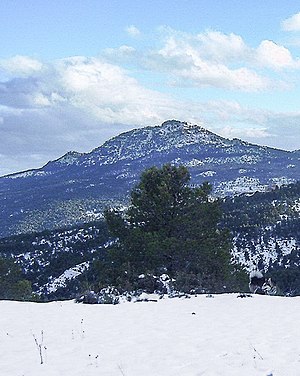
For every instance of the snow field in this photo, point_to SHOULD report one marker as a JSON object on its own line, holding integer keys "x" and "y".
{"x": 224, "y": 335}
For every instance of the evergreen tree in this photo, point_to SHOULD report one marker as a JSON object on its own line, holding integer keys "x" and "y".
{"x": 13, "y": 286}
{"x": 168, "y": 227}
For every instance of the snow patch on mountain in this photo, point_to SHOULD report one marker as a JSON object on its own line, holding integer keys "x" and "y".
{"x": 282, "y": 180}
{"x": 261, "y": 252}
{"x": 296, "y": 206}
{"x": 60, "y": 282}
{"x": 69, "y": 158}
{"x": 243, "y": 184}
{"x": 27, "y": 174}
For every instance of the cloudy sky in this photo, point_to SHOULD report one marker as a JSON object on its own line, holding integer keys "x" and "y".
{"x": 74, "y": 73}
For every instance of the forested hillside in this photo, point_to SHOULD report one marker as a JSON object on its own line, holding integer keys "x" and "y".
{"x": 266, "y": 233}
{"x": 265, "y": 229}
{"x": 46, "y": 256}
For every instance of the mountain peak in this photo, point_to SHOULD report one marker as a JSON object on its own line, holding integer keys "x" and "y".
{"x": 177, "y": 124}
{"x": 167, "y": 138}
{"x": 69, "y": 157}
{"x": 174, "y": 123}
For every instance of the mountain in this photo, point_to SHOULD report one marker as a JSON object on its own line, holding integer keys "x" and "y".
{"x": 76, "y": 187}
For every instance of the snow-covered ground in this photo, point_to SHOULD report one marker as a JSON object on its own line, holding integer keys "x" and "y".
{"x": 224, "y": 335}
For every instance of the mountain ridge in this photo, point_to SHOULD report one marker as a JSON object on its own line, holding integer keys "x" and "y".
{"x": 76, "y": 187}
{"x": 171, "y": 125}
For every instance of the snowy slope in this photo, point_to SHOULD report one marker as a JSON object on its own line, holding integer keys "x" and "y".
{"x": 224, "y": 335}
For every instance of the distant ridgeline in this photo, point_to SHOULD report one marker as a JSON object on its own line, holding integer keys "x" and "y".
{"x": 75, "y": 188}
{"x": 265, "y": 228}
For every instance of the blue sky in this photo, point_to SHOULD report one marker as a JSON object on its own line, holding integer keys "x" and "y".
{"x": 73, "y": 74}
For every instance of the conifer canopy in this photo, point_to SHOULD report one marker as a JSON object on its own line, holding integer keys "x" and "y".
{"x": 170, "y": 227}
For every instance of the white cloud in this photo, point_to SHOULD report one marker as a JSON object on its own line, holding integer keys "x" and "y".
{"x": 275, "y": 129}
{"x": 133, "y": 31}
{"x": 107, "y": 92}
{"x": 292, "y": 23}
{"x": 221, "y": 47}
{"x": 40, "y": 100}
{"x": 212, "y": 59}
{"x": 98, "y": 89}
{"x": 122, "y": 51}
{"x": 274, "y": 56}
{"x": 21, "y": 65}
{"x": 194, "y": 65}
{"x": 254, "y": 134}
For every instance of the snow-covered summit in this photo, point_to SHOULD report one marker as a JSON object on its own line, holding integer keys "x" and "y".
{"x": 173, "y": 125}
{"x": 169, "y": 137}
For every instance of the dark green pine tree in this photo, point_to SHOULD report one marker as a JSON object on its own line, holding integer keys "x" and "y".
{"x": 169, "y": 227}
{"x": 13, "y": 286}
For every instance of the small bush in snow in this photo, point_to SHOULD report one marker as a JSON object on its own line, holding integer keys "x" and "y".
{"x": 108, "y": 295}
{"x": 88, "y": 298}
